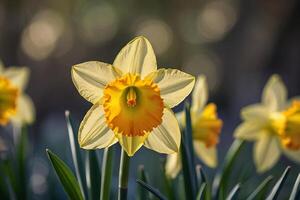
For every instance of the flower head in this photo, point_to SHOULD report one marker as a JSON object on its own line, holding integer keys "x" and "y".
{"x": 131, "y": 101}
{"x": 15, "y": 106}
{"x": 206, "y": 129}
{"x": 273, "y": 125}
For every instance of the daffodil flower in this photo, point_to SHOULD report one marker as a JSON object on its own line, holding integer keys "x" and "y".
{"x": 131, "y": 101}
{"x": 15, "y": 106}
{"x": 206, "y": 129}
{"x": 273, "y": 124}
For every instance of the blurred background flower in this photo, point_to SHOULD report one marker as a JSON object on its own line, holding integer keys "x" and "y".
{"x": 236, "y": 44}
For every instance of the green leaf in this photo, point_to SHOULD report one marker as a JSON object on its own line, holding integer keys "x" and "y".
{"x": 6, "y": 180}
{"x": 76, "y": 155}
{"x": 202, "y": 178}
{"x": 260, "y": 190}
{"x": 21, "y": 155}
{"x": 151, "y": 189}
{"x": 233, "y": 194}
{"x": 167, "y": 182}
{"x": 201, "y": 191}
{"x": 295, "y": 192}
{"x": 93, "y": 175}
{"x": 221, "y": 179}
{"x": 65, "y": 176}
{"x": 143, "y": 177}
{"x": 277, "y": 187}
{"x": 106, "y": 172}
{"x": 187, "y": 158}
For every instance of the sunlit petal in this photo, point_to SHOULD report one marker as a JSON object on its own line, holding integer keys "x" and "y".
{"x": 174, "y": 85}
{"x": 137, "y": 57}
{"x": 275, "y": 93}
{"x": 173, "y": 165}
{"x": 18, "y": 76}
{"x": 200, "y": 94}
{"x": 131, "y": 144}
{"x": 166, "y": 137}
{"x": 90, "y": 78}
{"x": 256, "y": 112}
{"x": 207, "y": 154}
{"x": 25, "y": 111}
{"x": 266, "y": 152}
{"x": 249, "y": 130}
{"x": 93, "y": 131}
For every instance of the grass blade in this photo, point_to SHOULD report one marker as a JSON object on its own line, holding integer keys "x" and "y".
{"x": 106, "y": 172}
{"x": 143, "y": 194}
{"x": 21, "y": 163}
{"x": 295, "y": 192}
{"x": 65, "y": 176}
{"x": 276, "y": 189}
{"x": 76, "y": 156}
{"x": 260, "y": 189}
{"x": 154, "y": 191}
{"x": 220, "y": 181}
{"x": 187, "y": 158}
{"x": 93, "y": 175}
{"x": 200, "y": 194}
{"x": 234, "y": 192}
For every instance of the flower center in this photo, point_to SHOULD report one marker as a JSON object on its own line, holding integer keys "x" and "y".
{"x": 132, "y": 106}
{"x": 131, "y": 97}
{"x": 8, "y": 100}
{"x": 207, "y": 126}
{"x": 287, "y": 126}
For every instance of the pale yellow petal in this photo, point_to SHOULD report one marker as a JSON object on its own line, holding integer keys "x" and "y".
{"x": 166, "y": 137}
{"x": 137, "y": 57}
{"x": 207, "y": 155}
{"x": 90, "y": 78}
{"x": 93, "y": 131}
{"x": 173, "y": 165}
{"x": 174, "y": 85}
{"x": 266, "y": 152}
{"x": 18, "y": 76}
{"x": 275, "y": 93}
{"x": 25, "y": 111}
{"x": 249, "y": 130}
{"x": 256, "y": 112}
{"x": 200, "y": 94}
{"x": 293, "y": 155}
{"x": 131, "y": 144}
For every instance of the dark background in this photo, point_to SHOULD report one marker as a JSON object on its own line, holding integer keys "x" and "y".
{"x": 236, "y": 44}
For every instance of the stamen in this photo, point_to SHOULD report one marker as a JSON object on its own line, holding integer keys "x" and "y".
{"x": 131, "y": 97}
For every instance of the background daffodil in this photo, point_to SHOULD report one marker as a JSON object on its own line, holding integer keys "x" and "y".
{"x": 15, "y": 105}
{"x": 131, "y": 101}
{"x": 206, "y": 129}
{"x": 273, "y": 124}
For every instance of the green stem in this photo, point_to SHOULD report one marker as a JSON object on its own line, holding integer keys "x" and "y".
{"x": 123, "y": 175}
{"x": 106, "y": 173}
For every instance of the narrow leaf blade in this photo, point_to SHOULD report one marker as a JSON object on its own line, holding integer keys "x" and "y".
{"x": 295, "y": 194}
{"x": 234, "y": 192}
{"x": 260, "y": 189}
{"x": 106, "y": 172}
{"x": 93, "y": 175}
{"x": 276, "y": 189}
{"x": 151, "y": 189}
{"x": 76, "y": 156}
{"x": 65, "y": 176}
{"x": 220, "y": 181}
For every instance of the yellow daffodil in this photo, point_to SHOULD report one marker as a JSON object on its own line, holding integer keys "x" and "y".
{"x": 131, "y": 101}
{"x": 273, "y": 124}
{"x": 15, "y": 106}
{"x": 206, "y": 129}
